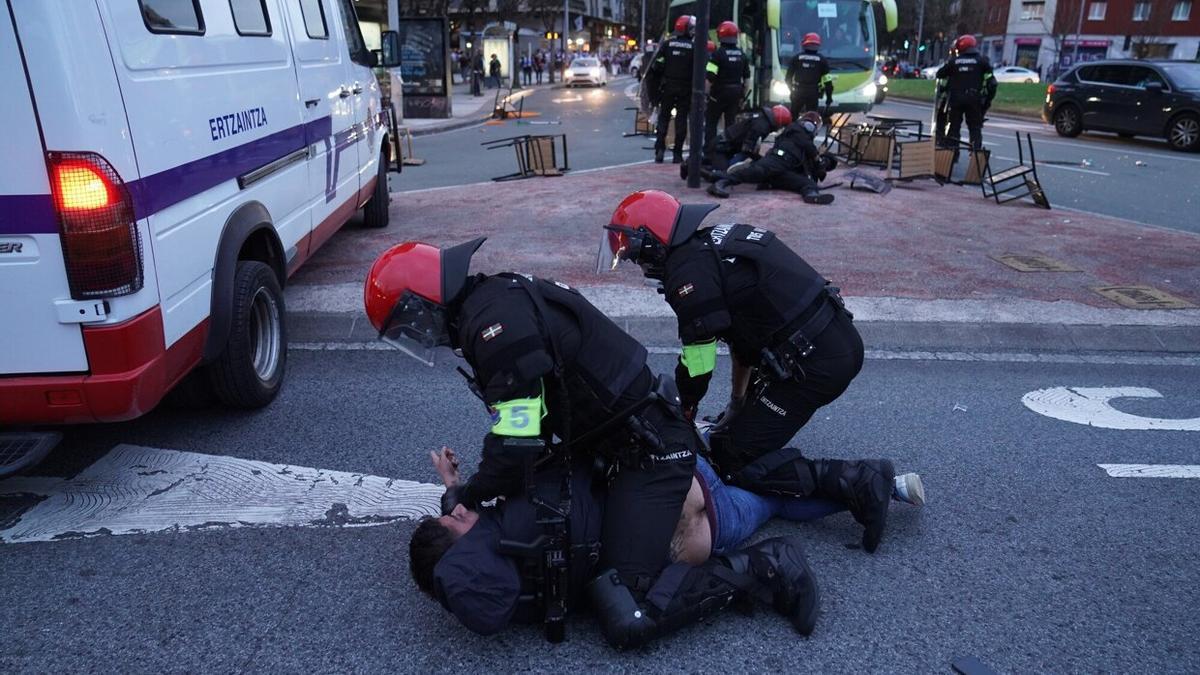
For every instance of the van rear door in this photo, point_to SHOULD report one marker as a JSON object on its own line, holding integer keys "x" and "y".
{"x": 33, "y": 276}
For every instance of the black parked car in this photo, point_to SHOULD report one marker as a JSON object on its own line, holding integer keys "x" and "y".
{"x": 1132, "y": 98}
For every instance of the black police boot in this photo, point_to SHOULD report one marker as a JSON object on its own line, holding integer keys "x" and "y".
{"x": 658, "y": 155}
{"x": 691, "y": 594}
{"x": 683, "y": 171}
{"x": 720, "y": 188}
{"x": 779, "y": 565}
{"x": 864, "y": 486}
{"x": 814, "y": 197}
{"x": 677, "y": 157}
{"x": 706, "y": 172}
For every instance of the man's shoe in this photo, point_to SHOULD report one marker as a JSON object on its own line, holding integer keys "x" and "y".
{"x": 658, "y": 155}
{"x": 780, "y": 567}
{"x": 683, "y": 171}
{"x": 864, "y": 486}
{"x": 719, "y": 189}
{"x": 676, "y": 157}
{"x": 909, "y": 489}
{"x": 817, "y": 198}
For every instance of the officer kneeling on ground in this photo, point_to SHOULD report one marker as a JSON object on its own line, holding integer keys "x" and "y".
{"x": 970, "y": 86}
{"x": 547, "y": 364}
{"x": 740, "y": 140}
{"x": 792, "y": 342}
{"x": 792, "y": 164}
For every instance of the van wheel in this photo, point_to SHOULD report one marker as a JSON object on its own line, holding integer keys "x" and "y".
{"x": 1067, "y": 121}
{"x": 375, "y": 213}
{"x": 1184, "y": 133}
{"x": 249, "y": 373}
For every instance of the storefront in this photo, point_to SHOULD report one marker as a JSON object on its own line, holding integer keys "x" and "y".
{"x": 1026, "y": 55}
{"x": 1087, "y": 50}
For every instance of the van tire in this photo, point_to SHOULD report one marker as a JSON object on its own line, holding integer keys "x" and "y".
{"x": 375, "y": 212}
{"x": 249, "y": 372}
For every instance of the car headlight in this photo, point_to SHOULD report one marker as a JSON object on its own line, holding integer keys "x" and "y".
{"x": 780, "y": 89}
{"x": 882, "y": 79}
{"x": 870, "y": 90}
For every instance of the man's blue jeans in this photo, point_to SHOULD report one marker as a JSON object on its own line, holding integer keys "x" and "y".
{"x": 737, "y": 514}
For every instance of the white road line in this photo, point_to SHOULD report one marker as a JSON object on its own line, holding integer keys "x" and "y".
{"x": 138, "y": 490}
{"x": 872, "y": 354}
{"x": 1051, "y": 165}
{"x": 1091, "y": 406}
{"x": 1151, "y": 470}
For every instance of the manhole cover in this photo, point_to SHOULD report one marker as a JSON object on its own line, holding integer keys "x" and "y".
{"x": 1033, "y": 263}
{"x": 20, "y": 450}
{"x": 1142, "y": 297}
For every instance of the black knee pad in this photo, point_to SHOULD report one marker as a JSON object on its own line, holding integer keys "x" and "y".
{"x": 624, "y": 623}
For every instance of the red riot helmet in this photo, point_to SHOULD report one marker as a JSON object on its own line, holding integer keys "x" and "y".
{"x": 684, "y": 24}
{"x": 408, "y": 293}
{"x": 727, "y": 32}
{"x": 646, "y": 225}
{"x": 781, "y": 115}
{"x": 811, "y": 40}
{"x": 965, "y": 42}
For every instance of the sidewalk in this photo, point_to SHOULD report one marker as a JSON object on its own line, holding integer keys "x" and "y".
{"x": 468, "y": 110}
{"x": 918, "y": 263}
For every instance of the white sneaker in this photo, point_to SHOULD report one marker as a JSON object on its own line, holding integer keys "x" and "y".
{"x": 909, "y": 489}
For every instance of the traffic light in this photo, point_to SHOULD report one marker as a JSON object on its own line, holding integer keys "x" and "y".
{"x": 921, "y": 48}
{"x": 906, "y": 43}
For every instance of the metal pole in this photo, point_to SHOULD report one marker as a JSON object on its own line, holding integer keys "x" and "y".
{"x": 566, "y": 26}
{"x": 642, "y": 39}
{"x": 696, "y": 119}
{"x": 920, "y": 30}
{"x": 1078, "y": 30}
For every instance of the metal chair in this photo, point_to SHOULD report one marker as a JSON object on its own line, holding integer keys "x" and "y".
{"x": 1016, "y": 181}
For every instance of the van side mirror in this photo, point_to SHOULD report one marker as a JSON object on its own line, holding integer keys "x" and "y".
{"x": 389, "y": 49}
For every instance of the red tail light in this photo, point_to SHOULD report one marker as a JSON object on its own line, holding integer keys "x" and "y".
{"x": 100, "y": 239}
{"x": 1049, "y": 90}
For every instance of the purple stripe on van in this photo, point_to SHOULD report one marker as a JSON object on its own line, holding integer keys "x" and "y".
{"x": 165, "y": 188}
{"x": 27, "y": 214}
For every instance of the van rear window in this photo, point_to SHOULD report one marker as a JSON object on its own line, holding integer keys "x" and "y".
{"x": 250, "y": 17}
{"x": 314, "y": 19}
{"x": 173, "y": 16}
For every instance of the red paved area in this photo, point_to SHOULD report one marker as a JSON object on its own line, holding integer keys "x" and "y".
{"x": 919, "y": 241}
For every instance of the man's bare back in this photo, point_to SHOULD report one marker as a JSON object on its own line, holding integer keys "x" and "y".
{"x": 692, "y": 541}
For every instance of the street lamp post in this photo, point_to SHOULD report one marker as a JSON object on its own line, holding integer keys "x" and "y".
{"x": 696, "y": 119}
{"x": 642, "y": 40}
{"x": 1078, "y": 30}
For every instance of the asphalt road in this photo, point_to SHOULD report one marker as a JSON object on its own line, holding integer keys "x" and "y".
{"x": 1139, "y": 179}
{"x": 1028, "y": 556}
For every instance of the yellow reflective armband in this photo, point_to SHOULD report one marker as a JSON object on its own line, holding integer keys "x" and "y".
{"x": 520, "y": 417}
{"x": 712, "y": 68}
{"x": 701, "y": 358}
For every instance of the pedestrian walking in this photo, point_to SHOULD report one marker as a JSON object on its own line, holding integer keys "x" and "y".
{"x": 539, "y": 65}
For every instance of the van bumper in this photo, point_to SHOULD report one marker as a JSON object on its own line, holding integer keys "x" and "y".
{"x": 131, "y": 371}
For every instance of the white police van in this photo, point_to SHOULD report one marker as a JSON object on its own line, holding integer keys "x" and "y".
{"x": 168, "y": 165}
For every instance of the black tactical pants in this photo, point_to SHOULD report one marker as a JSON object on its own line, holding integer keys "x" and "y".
{"x": 973, "y": 111}
{"x": 679, "y": 97}
{"x": 803, "y": 101}
{"x": 778, "y": 173}
{"x": 644, "y": 502}
{"x": 774, "y": 411}
{"x": 721, "y": 103}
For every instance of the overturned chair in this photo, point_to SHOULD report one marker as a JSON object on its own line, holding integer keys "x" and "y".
{"x": 1016, "y": 181}
{"x": 537, "y": 155}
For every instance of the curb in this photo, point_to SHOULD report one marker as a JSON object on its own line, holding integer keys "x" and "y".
{"x": 1017, "y": 117}
{"x": 878, "y": 335}
{"x": 472, "y": 121}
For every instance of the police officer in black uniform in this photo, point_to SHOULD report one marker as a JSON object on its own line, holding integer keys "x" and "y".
{"x": 547, "y": 364}
{"x": 670, "y": 73}
{"x": 971, "y": 86}
{"x": 793, "y": 346}
{"x": 793, "y": 164}
{"x": 808, "y": 76}
{"x": 740, "y": 140}
{"x": 727, "y": 72}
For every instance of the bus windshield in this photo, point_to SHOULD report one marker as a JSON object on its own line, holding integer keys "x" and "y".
{"x": 846, "y": 27}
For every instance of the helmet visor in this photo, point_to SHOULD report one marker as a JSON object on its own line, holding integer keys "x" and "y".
{"x": 416, "y": 327}
{"x": 616, "y": 247}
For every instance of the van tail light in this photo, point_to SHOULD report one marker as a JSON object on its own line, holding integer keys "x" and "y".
{"x": 1049, "y": 90}
{"x": 101, "y": 245}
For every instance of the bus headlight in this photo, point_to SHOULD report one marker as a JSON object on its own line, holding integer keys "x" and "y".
{"x": 883, "y": 80}
{"x": 780, "y": 90}
{"x": 870, "y": 90}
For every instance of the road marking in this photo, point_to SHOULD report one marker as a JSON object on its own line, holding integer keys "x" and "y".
{"x": 568, "y": 99}
{"x": 1090, "y": 406}
{"x": 1151, "y": 470}
{"x": 139, "y": 490}
{"x": 1052, "y": 165}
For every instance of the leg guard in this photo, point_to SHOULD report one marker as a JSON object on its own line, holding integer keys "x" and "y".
{"x": 682, "y": 595}
{"x": 779, "y": 566}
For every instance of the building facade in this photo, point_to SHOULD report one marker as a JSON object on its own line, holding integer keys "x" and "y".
{"x": 1051, "y": 35}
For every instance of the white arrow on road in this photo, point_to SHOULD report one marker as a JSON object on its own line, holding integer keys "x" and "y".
{"x": 139, "y": 490}
{"x": 1092, "y": 406}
